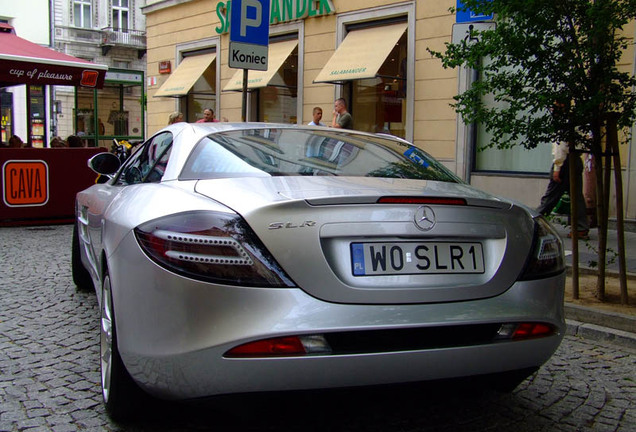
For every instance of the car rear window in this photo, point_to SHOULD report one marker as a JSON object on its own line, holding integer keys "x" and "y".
{"x": 309, "y": 152}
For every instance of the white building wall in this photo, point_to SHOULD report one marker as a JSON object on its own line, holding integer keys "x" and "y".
{"x": 87, "y": 44}
{"x": 30, "y": 18}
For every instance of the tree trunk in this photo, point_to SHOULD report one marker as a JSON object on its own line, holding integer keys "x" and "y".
{"x": 574, "y": 228}
{"x": 601, "y": 212}
{"x": 612, "y": 144}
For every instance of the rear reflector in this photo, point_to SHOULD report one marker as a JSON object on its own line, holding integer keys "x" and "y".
{"x": 422, "y": 200}
{"x": 270, "y": 347}
{"x": 531, "y": 330}
{"x": 528, "y": 330}
{"x": 282, "y": 346}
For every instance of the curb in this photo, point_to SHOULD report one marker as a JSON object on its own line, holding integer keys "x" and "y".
{"x": 586, "y": 270}
{"x": 610, "y": 320}
{"x": 601, "y": 326}
{"x": 601, "y": 334}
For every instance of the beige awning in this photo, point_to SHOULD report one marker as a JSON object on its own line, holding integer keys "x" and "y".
{"x": 361, "y": 53}
{"x": 278, "y": 53}
{"x": 187, "y": 73}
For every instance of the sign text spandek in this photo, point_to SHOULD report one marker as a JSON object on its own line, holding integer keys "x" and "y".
{"x": 249, "y": 34}
{"x": 281, "y": 11}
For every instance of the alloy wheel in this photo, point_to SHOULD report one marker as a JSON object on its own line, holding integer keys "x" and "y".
{"x": 106, "y": 338}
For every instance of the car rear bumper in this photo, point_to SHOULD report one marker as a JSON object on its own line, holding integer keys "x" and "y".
{"x": 173, "y": 333}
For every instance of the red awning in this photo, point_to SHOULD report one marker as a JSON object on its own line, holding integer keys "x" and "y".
{"x": 24, "y": 62}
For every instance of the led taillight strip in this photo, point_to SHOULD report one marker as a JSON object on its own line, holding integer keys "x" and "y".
{"x": 197, "y": 245}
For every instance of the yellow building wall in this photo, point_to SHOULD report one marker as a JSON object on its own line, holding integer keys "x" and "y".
{"x": 165, "y": 29}
{"x": 433, "y": 120}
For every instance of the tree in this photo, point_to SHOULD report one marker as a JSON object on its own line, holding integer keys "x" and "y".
{"x": 543, "y": 51}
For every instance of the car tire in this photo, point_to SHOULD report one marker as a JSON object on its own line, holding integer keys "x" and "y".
{"x": 81, "y": 276}
{"x": 122, "y": 397}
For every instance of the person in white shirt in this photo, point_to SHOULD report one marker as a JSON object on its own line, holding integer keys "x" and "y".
{"x": 317, "y": 117}
{"x": 560, "y": 183}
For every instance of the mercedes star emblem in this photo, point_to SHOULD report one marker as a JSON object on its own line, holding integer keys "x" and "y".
{"x": 425, "y": 218}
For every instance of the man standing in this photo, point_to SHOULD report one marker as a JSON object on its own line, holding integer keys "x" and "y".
{"x": 341, "y": 118}
{"x": 208, "y": 116}
{"x": 317, "y": 114}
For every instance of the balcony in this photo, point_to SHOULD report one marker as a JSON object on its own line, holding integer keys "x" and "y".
{"x": 107, "y": 38}
{"x": 123, "y": 38}
{"x": 78, "y": 34}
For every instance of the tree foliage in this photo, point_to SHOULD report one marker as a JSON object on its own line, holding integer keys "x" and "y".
{"x": 552, "y": 69}
{"x": 539, "y": 52}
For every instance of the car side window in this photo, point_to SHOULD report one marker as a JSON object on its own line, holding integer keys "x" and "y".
{"x": 148, "y": 164}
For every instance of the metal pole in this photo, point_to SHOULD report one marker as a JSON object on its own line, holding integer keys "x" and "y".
{"x": 244, "y": 104}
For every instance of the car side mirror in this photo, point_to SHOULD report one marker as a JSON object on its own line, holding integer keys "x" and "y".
{"x": 104, "y": 163}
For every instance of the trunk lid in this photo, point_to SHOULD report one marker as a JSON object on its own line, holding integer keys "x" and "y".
{"x": 322, "y": 230}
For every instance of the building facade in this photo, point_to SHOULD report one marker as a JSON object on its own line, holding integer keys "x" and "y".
{"x": 105, "y": 32}
{"x": 110, "y": 32}
{"x": 31, "y": 21}
{"x": 374, "y": 53}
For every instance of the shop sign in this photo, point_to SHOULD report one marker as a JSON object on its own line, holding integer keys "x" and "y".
{"x": 280, "y": 11}
{"x": 467, "y": 15}
{"x": 48, "y": 74}
{"x": 127, "y": 77}
{"x": 165, "y": 67}
{"x": 25, "y": 183}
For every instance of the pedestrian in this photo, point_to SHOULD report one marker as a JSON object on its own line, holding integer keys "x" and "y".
{"x": 57, "y": 142}
{"x": 74, "y": 141}
{"x": 341, "y": 118}
{"x": 15, "y": 142}
{"x": 317, "y": 115}
{"x": 208, "y": 116}
{"x": 560, "y": 183}
{"x": 175, "y": 117}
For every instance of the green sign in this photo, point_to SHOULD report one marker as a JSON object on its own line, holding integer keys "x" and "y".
{"x": 280, "y": 11}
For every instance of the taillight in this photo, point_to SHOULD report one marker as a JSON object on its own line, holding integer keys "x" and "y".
{"x": 282, "y": 346}
{"x": 527, "y": 330}
{"x": 211, "y": 246}
{"x": 546, "y": 256}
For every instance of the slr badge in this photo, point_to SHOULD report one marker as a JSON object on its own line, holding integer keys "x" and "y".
{"x": 281, "y": 225}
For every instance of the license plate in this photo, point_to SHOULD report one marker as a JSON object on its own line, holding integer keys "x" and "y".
{"x": 373, "y": 259}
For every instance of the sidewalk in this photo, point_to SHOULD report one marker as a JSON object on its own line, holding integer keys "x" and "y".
{"x": 589, "y": 322}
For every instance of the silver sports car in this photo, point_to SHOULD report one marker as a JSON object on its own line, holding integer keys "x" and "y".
{"x": 235, "y": 258}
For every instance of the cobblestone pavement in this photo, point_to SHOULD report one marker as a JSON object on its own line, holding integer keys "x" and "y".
{"x": 49, "y": 374}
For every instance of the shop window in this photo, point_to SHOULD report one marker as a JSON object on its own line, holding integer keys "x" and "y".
{"x": 278, "y": 102}
{"x": 82, "y": 16}
{"x": 202, "y": 95}
{"x": 379, "y": 104}
{"x": 516, "y": 159}
{"x": 120, "y": 15}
